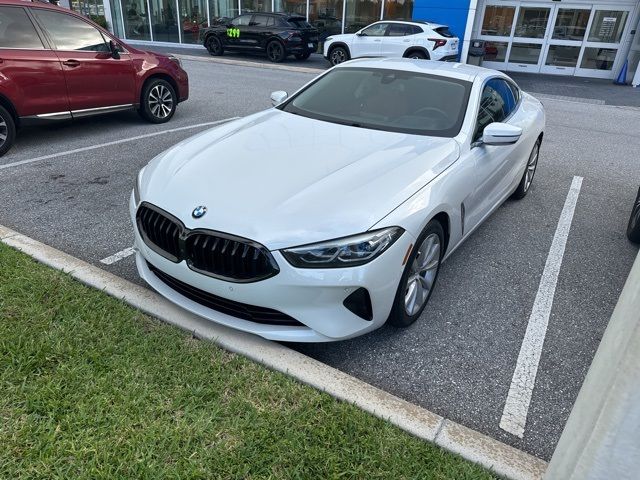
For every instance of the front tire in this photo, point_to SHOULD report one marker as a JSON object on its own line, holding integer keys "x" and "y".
{"x": 419, "y": 277}
{"x": 529, "y": 172}
{"x": 7, "y": 131}
{"x": 633, "y": 229}
{"x": 275, "y": 51}
{"x": 338, "y": 55}
{"x": 159, "y": 101}
{"x": 214, "y": 46}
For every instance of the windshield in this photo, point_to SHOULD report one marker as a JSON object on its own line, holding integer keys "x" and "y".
{"x": 391, "y": 100}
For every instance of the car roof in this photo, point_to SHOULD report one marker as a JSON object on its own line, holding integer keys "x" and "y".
{"x": 459, "y": 71}
{"x": 27, "y": 3}
{"x": 421, "y": 23}
{"x": 276, "y": 14}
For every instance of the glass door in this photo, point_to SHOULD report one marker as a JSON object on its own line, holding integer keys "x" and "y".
{"x": 528, "y": 38}
{"x": 496, "y": 30}
{"x": 600, "y": 56}
{"x": 565, "y": 39}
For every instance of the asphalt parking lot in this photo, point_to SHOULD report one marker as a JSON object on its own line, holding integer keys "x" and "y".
{"x": 68, "y": 186}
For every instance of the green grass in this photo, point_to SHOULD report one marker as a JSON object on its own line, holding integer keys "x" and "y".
{"x": 91, "y": 388}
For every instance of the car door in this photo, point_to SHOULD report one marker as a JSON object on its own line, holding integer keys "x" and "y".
{"x": 494, "y": 164}
{"x": 237, "y": 32}
{"x": 257, "y": 31}
{"x": 94, "y": 78}
{"x": 368, "y": 41}
{"x": 397, "y": 40}
{"x": 31, "y": 74}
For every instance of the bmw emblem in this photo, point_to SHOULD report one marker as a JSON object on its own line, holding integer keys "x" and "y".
{"x": 199, "y": 212}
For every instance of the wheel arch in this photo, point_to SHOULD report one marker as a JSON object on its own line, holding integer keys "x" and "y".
{"x": 412, "y": 49}
{"x": 443, "y": 218}
{"x": 8, "y": 105}
{"x": 333, "y": 46}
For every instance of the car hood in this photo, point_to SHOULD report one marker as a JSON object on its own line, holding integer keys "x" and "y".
{"x": 285, "y": 180}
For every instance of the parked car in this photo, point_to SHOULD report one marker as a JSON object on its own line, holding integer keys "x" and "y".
{"x": 410, "y": 39}
{"x": 58, "y": 65}
{"x": 633, "y": 229}
{"x": 276, "y": 34}
{"x": 328, "y": 215}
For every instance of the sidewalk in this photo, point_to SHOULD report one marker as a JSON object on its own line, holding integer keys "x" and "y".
{"x": 577, "y": 89}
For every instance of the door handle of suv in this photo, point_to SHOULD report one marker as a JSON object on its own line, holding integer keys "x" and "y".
{"x": 71, "y": 63}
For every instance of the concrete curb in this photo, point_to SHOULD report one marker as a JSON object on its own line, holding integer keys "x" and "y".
{"x": 502, "y": 459}
{"x": 246, "y": 63}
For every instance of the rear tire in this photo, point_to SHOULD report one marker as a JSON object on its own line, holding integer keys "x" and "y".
{"x": 7, "y": 131}
{"x": 529, "y": 172}
{"x": 302, "y": 56}
{"x": 275, "y": 51}
{"x": 214, "y": 46}
{"x": 338, "y": 55}
{"x": 633, "y": 229}
{"x": 419, "y": 276}
{"x": 159, "y": 101}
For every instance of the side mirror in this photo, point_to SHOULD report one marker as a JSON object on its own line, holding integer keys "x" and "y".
{"x": 114, "y": 49}
{"x": 361, "y": 34}
{"x": 501, "y": 134}
{"x": 278, "y": 97}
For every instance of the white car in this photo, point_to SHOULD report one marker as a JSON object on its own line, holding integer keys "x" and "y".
{"x": 328, "y": 215}
{"x": 408, "y": 39}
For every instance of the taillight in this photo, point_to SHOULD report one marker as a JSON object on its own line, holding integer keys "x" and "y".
{"x": 438, "y": 42}
{"x": 294, "y": 36}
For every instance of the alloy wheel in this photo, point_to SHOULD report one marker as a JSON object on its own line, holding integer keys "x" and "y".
{"x": 274, "y": 51}
{"x": 422, "y": 274}
{"x": 531, "y": 167}
{"x": 338, "y": 56}
{"x": 160, "y": 101}
{"x": 4, "y": 131}
{"x": 214, "y": 46}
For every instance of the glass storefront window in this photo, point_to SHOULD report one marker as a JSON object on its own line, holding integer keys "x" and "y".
{"x": 298, "y": 7}
{"x": 398, "y": 10}
{"x": 326, "y": 16}
{"x": 193, "y": 18}
{"x": 571, "y": 24}
{"x": 532, "y": 22}
{"x": 361, "y": 13}
{"x": 222, "y": 11}
{"x": 607, "y": 26}
{"x": 563, "y": 56}
{"x": 598, "y": 58}
{"x": 136, "y": 23}
{"x": 255, "y": 6}
{"x": 164, "y": 21}
{"x": 527, "y": 53}
{"x": 497, "y": 21}
{"x": 117, "y": 27}
{"x": 495, "y": 51}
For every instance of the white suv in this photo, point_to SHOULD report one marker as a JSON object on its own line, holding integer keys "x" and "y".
{"x": 412, "y": 39}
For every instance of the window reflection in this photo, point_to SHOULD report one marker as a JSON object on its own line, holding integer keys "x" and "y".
{"x": 136, "y": 25}
{"x": 497, "y": 21}
{"x": 164, "y": 20}
{"x": 222, "y": 11}
{"x": 326, "y": 16}
{"x": 193, "y": 16}
{"x": 361, "y": 13}
{"x": 398, "y": 10}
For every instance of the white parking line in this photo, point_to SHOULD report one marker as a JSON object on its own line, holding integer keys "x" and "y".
{"x": 116, "y": 257}
{"x": 516, "y": 408}
{"x": 115, "y": 142}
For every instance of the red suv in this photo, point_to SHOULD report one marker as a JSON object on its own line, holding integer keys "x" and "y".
{"x": 58, "y": 65}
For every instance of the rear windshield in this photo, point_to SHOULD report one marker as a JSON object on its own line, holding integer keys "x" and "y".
{"x": 299, "y": 23}
{"x": 444, "y": 31}
{"x": 390, "y": 100}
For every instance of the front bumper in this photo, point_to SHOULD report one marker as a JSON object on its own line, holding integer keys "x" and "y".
{"x": 314, "y": 297}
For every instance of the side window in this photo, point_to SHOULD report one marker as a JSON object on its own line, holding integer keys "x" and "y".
{"x": 259, "y": 21}
{"x": 271, "y": 22}
{"x": 496, "y": 104}
{"x": 415, "y": 30}
{"x": 376, "y": 30}
{"x": 516, "y": 92}
{"x": 241, "y": 20}
{"x": 71, "y": 33}
{"x": 399, "y": 30}
{"x": 17, "y": 31}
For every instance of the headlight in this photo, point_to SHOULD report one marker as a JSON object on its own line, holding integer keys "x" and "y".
{"x": 328, "y": 39}
{"x": 343, "y": 252}
{"x": 136, "y": 187}
{"x": 175, "y": 59}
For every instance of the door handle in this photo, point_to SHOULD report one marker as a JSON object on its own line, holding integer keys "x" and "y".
{"x": 71, "y": 63}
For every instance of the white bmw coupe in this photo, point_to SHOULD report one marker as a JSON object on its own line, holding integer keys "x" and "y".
{"x": 330, "y": 214}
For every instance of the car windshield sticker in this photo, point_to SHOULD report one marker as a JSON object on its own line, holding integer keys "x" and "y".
{"x": 233, "y": 32}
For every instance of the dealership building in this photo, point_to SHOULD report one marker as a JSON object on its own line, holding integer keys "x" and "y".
{"x": 577, "y": 37}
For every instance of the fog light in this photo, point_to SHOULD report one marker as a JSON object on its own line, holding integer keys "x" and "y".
{"x": 359, "y": 302}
